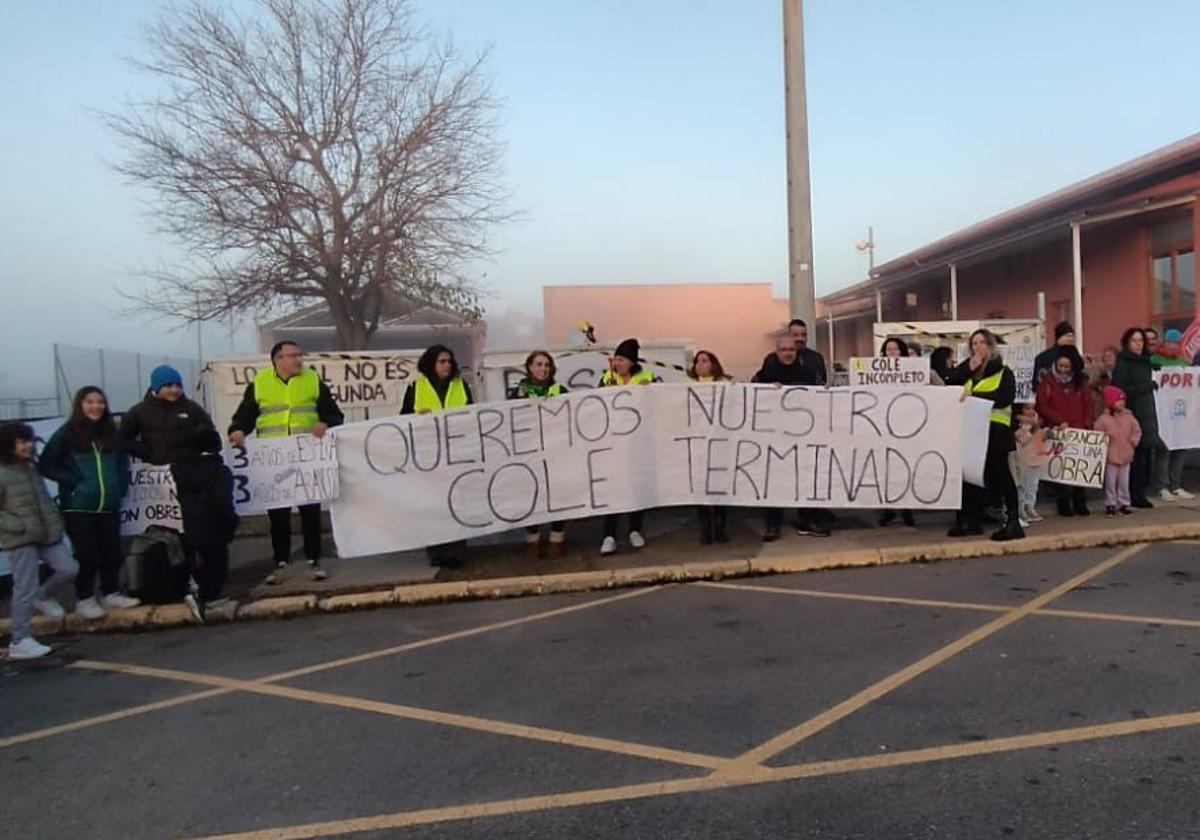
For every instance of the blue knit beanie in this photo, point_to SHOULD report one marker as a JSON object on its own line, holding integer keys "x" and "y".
{"x": 164, "y": 375}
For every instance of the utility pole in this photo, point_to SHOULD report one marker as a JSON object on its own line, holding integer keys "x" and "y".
{"x": 801, "y": 295}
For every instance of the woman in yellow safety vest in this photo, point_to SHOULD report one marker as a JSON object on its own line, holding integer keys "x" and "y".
{"x": 438, "y": 387}
{"x": 539, "y": 383}
{"x": 984, "y": 375}
{"x": 706, "y": 367}
{"x": 624, "y": 369}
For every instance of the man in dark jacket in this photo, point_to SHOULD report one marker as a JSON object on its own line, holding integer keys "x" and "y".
{"x": 168, "y": 428}
{"x": 286, "y": 399}
{"x": 807, "y": 366}
{"x": 783, "y": 367}
{"x": 1064, "y": 336}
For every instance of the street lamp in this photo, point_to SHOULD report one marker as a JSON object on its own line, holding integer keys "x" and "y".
{"x": 868, "y": 245}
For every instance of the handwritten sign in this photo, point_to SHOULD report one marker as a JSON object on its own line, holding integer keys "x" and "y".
{"x": 1077, "y": 457}
{"x": 1178, "y": 403}
{"x": 355, "y": 380}
{"x": 150, "y": 500}
{"x": 880, "y": 371}
{"x": 490, "y": 468}
{"x": 283, "y": 472}
{"x": 1020, "y": 358}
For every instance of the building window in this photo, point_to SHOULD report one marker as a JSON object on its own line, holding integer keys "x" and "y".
{"x": 1173, "y": 273}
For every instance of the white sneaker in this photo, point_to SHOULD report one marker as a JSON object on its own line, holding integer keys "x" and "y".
{"x": 1032, "y": 515}
{"x": 49, "y": 608}
{"x": 1166, "y": 495}
{"x": 609, "y": 546}
{"x": 1024, "y": 523}
{"x": 90, "y": 609}
{"x": 1183, "y": 494}
{"x": 316, "y": 571}
{"x": 636, "y": 539}
{"x": 27, "y": 648}
{"x": 117, "y": 601}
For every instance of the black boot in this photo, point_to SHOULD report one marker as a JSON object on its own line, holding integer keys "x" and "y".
{"x": 964, "y": 526}
{"x": 1011, "y": 531}
{"x": 1079, "y": 503}
{"x": 908, "y": 518}
{"x": 1064, "y": 507}
{"x": 706, "y": 525}
{"x": 719, "y": 525}
{"x": 887, "y": 518}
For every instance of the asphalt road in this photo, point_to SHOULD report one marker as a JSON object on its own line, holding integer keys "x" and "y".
{"x": 1050, "y": 695}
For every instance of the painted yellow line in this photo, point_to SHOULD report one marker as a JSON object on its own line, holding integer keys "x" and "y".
{"x": 451, "y": 637}
{"x": 76, "y": 725}
{"x": 753, "y": 776}
{"x": 854, "y": 596}
{"x": 827, "y": 718}
{"x": 478, "y": 724}
{"x": 1131, "y": 619}
{"x": 25, "y": 737}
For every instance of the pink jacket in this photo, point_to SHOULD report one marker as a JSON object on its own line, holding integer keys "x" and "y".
{"x": 1124, "y": 434}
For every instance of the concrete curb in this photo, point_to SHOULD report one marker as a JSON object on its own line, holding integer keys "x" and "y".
{"x": 175, "y": 615}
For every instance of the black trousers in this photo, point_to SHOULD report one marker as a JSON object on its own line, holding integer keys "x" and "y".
{"x": 612, "y": 520}
{"x": 281, "y": 532}
{"x": 210, "y": 567}
{"x": 997, "y": 478}
{"x": 1074, "y": 496}
{"x": 96, "y": 538}
{"x": 1139, "y": 474}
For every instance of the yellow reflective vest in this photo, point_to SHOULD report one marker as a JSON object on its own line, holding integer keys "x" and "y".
{"x": 286, "y": 408}
{"x": 640, "y": 378}
{"x": 425, "y": 397}
{"x": 989, "y": 385}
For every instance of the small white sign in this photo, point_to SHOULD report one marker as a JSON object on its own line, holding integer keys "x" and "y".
{"x": 880, "y": 371}
{"x": 283, "y": 472}
{"x": 1077, "y": 457}
{"x": 150, "y": 500}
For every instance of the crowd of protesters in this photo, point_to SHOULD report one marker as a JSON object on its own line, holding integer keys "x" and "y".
{"x": 88, "y": 458}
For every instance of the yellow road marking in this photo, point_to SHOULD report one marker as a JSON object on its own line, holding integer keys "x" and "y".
{"x": 953, "y": 605}
{"x": 312, "y": 669}
{"x": 479, "y": 724}
{"x": 754, "y": 776}
{"x": 827, "y": 718}
{"x": 75, "y": 726}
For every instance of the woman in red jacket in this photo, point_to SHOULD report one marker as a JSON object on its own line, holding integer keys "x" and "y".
{"x": 1064, "y": 400}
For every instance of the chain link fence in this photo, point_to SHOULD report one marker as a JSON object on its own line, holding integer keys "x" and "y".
{"x": 123, "y": 375}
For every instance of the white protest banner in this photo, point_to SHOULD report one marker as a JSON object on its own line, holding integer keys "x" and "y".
{"x": 1020, "y": 357}
{"x": 150, "y": 500}
{"x": 880, "y": 371}
{"x": 1178, "y": 403}
{"x": 357, "y": 380}
{"x": 283, "y": 472}
{"x": 414, "y": 481}
{"x": 1077, "y": 457}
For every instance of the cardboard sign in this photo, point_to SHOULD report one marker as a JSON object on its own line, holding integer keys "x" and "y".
{"x": 882, "y": 372}
{"x": 491, "y": 468}
{"x": 356, "y": 380}
{"x": 283, "y": 472}
{"x": 1020, "y": 359}
{"x": 1178, "y": 403}
{"x": 150, "y": 500}
{"x": 1077, "y": 457}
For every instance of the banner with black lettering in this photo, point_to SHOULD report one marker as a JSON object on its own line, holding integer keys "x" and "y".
{"x": 413, "y": 481}
{"x": 150, "y": 500}
{"x": 1077, "y": 457}
{"x": 283, "y": 472}
{"x": 1178, "y": 403}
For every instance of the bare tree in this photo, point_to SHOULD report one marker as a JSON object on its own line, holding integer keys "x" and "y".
{"x": 313, "y": 150}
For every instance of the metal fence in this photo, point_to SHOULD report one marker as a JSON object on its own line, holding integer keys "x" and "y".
{"x": 124, "y": 375}
{"x": 31, "y": 409}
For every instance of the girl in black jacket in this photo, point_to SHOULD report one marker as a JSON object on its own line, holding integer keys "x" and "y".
{"x": 980, "y": 371}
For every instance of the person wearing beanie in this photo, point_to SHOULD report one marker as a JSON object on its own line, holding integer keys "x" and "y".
{"x": 624, "y": 369}
{"x": 1170, "y": 353}
{"x": 1064, "y": 336}
{"x": 1124, "y": 435}
{"x": 168, "y": 428}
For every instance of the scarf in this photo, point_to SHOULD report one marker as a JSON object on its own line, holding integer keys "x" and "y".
{"x": 1063, "y": 379}
{"x": 529, "y": 388}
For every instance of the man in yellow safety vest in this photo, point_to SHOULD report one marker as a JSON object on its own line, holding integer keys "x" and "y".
{"x": 288, "y": 398}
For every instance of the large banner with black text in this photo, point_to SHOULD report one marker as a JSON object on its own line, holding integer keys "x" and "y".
{"x": 412, "y": 481}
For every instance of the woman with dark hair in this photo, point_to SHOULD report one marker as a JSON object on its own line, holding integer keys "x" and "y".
{"x": 539, "y": 383}
{"x": 31, "y": 533}
{"x": 92, "y": 475}
{"x": 168, "y": 428}
{"x": 985, "y": 376}
{"x": 894, "y": 348}
{"x": 624, "y": 369}
{"x": 706, "y": 367}
{"x": 1134, "y": 374}
{"x": 939, "y": 363}
{"x": 1064, "y": 401}
{"x": 439, "y": 386}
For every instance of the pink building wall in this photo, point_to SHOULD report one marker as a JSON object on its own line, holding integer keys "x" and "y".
{"x": 733, "y": 320}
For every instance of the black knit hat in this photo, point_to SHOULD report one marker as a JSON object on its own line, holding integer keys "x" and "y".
{"x": 628, "y": 349}
{"x": 1063, "y": 328}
